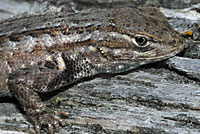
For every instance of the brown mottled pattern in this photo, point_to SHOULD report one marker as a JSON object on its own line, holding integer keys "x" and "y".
{"x": 46, "y": 52}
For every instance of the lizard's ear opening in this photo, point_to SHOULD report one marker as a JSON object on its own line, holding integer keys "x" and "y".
{"x": 102, "y": 53}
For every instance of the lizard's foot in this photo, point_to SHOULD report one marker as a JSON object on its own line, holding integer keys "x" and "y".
{"x": 48, "y": 120}
{"x": 25, "y": 85}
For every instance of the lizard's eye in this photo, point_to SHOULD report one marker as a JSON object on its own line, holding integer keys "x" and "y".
{"x": 141, "y": 41}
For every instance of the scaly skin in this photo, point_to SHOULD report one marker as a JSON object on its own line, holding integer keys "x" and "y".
{"x": 46, "y": 52}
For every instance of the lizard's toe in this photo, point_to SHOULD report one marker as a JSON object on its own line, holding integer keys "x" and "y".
{"x": 50, "y": 121}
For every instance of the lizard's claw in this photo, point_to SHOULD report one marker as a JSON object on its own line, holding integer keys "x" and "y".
{"x": 49, "y": 120}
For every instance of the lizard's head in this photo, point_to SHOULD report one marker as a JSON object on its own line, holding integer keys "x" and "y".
{"x": 140, "y": 39}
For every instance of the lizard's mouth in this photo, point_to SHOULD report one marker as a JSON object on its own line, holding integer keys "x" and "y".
{"x": 173, "y": 50}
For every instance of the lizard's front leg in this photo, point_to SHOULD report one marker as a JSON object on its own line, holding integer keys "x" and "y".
{"x": 25, "y": 84}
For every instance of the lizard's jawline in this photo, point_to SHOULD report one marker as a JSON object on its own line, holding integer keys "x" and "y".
{"x": 132, "y": 64}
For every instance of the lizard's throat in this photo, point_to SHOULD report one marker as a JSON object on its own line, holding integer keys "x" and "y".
{"x": 116, "y": 67}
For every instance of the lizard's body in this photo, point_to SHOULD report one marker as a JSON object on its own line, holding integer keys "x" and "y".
{"x": 45, "y": 52}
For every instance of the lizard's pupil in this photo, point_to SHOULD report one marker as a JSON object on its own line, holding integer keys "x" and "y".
{"x": 141, "y": 41}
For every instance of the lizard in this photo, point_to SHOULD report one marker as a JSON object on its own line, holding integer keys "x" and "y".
{"x": 42, "y": 53}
